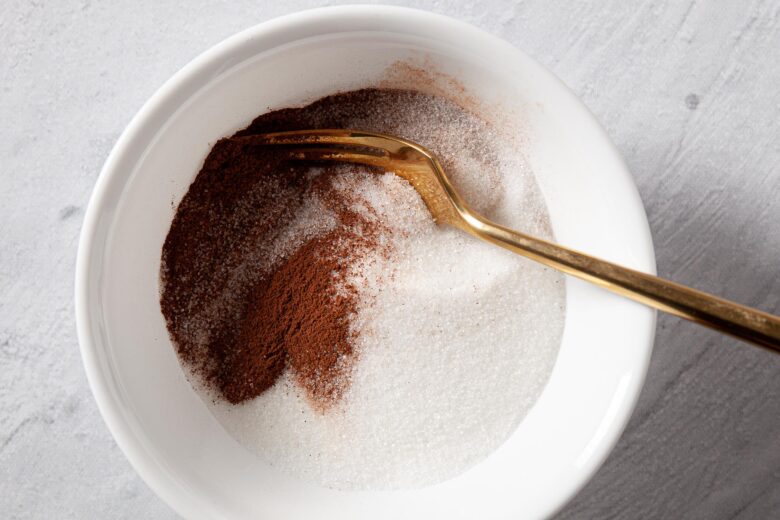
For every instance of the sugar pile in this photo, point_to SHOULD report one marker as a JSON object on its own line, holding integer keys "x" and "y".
{"x": 455, "y": 338}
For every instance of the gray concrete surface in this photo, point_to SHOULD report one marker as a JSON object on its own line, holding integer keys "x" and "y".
{"x": 687, "y": 89}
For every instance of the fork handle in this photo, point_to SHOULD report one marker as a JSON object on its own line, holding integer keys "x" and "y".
{"x": 743, "y": 322}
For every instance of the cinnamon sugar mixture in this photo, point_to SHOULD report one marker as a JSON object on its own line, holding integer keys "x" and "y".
{"x": 280, "y": 239}
{"x": 331, "y": 327}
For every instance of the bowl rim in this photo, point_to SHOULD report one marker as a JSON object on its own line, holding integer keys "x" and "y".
{"x": 214, "y": 59}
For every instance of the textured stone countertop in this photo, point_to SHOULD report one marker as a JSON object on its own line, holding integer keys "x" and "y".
{"x": 688, "y": 90}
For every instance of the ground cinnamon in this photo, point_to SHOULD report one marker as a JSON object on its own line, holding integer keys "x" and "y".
{"x": 239, "y": 310}
{"x": 299, "y": 315}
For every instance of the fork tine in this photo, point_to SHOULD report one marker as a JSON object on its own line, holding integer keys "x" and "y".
{"x": 338, "y": 155}
{"x": 298, "y": 137}
{"x": 385, "y": 144}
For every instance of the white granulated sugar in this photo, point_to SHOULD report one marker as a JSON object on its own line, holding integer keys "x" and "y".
{"x": 457, "y": 337}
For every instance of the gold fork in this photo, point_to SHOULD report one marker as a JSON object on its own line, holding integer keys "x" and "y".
{"x": 422, "y": 170}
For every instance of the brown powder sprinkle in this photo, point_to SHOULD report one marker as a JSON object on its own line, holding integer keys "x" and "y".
{"x": 244, "y": 301}
{"x": 300, "y": 314}
{"x": 254, "y": 268}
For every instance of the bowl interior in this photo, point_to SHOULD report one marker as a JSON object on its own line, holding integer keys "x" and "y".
{"x": 159, "y": 421}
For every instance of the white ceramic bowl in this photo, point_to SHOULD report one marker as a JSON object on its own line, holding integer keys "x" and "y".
{"x": 163, "y": 427}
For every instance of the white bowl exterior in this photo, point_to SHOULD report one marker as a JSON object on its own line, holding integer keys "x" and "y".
{"x": 167, "y": 432}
